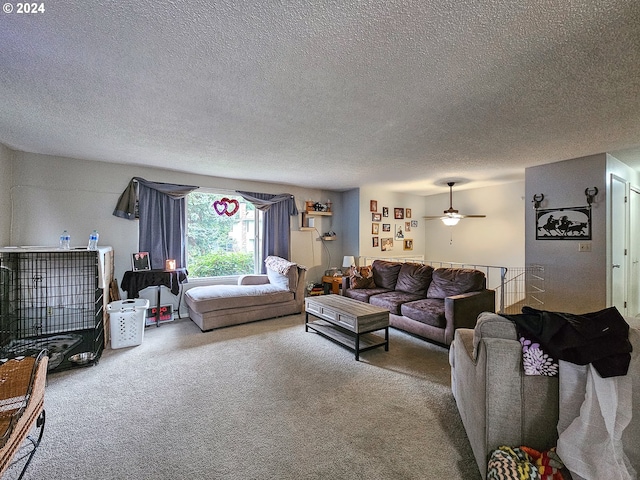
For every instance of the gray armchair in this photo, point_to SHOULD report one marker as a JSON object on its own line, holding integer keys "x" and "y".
{"x": 498, "y": 403}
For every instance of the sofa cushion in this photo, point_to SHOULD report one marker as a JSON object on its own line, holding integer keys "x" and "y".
{"x": 363, "y": 294}
{"x": 385, "y": 274}
{"x": 361, "y": 277}
{"x": 447, "y": 282}
{"x": 414, "y": 278}
{"x": 221, "y": 297}
{"x": 392, "y": 301}
{"x": 429, "y": 311}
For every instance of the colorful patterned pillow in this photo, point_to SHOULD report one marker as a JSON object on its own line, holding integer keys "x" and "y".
{"x": 361, "y": 277}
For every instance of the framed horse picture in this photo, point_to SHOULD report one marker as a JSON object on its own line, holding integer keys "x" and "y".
{"x": 570, "y": 223}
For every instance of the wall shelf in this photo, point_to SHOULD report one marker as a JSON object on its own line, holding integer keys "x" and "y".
{"x": 308, "y": 214}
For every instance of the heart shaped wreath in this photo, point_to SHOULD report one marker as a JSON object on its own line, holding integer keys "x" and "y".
{"x": 222, "y": 206}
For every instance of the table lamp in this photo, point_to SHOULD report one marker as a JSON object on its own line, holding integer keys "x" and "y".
{"x": 347, "y": 262}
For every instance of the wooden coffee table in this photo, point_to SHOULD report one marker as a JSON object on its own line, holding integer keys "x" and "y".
{"x": 348, "y": 322}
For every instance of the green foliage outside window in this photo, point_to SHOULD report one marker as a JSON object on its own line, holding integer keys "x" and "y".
{"x": 219, "y": 245}
{"x": 221, "y": 263}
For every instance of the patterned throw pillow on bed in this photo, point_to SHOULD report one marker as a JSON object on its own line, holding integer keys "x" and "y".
{"x": 361, "y": 277}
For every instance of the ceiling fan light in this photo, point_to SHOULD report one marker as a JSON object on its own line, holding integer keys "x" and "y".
{"x": 450, "y": 221}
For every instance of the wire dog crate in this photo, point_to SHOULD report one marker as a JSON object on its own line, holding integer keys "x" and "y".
{"x": 51, "y": 299}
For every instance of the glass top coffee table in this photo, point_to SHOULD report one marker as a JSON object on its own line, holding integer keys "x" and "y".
{"x": 348, "y": 322}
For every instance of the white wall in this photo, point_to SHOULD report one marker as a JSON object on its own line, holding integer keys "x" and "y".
{"x": 5, "y": 194}
{"x": 574, "y": 281}
{"x": 496, "y": 240}
{"x": 50, "y": 194}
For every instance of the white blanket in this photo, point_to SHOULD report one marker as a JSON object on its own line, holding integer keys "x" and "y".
{"x": 594, "y": 414}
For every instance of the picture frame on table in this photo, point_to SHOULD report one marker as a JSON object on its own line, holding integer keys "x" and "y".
{"x": 140, "y": 261}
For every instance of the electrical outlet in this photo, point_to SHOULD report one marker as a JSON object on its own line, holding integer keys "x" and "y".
{"x": 584, "y": 247}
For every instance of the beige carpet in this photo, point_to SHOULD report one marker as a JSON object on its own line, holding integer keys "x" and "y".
{"x": 258, "y": 401}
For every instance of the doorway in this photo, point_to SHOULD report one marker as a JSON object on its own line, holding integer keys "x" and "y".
{"x": 618, "y": 266}
{"x": 633, "y": 298}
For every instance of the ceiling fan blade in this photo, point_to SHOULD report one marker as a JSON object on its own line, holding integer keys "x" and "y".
{"x": 451, "y": 213}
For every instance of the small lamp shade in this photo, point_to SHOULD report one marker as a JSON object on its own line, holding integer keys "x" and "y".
{"x": 348, "y": 261}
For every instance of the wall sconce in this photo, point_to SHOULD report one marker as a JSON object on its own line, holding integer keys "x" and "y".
{"x": 591, "y": 194}
{"x": 537, "y": 200}
{"x": 170, "y": 265}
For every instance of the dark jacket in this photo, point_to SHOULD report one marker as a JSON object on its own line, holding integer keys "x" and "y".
{"x": 600, "y": 338}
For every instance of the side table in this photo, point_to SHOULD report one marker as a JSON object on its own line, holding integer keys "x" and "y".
{"x": 134, "y": 281}
{"x": 334, "y": 282}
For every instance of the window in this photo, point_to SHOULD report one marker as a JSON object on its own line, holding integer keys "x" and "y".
{"x": 222, "y": 235}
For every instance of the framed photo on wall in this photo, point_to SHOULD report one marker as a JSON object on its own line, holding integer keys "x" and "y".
{"x": 376, "y": 217}
{"x": 373, "y": 205}
{"x": 375, "y": 242}
{"x": 375, "y": 228}
{"x": 408, "y": 244}
{"x": 386, "y": 244}
{"x": 140, "y": 261}
{"x": 398, "y": 213}
{"x": 385, "y": 211}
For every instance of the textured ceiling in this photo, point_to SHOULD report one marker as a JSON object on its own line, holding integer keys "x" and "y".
{"x": 328, "y": 94}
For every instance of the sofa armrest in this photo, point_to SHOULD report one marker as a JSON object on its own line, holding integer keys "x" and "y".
{"x": 498, "y": 404}
{"x": 461, "y": 311}
{"x": 253, "y": 280}
{"x": 346, "y": 283}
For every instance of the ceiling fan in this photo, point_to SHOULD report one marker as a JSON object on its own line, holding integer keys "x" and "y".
{"x": 451, "y": 216}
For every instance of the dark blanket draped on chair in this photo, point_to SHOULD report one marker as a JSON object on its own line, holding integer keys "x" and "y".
{"x": 278, "y": 210}
{"x": 162, "y": 210}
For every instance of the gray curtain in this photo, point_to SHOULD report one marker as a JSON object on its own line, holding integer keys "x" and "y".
{"x": 278, "y": 209}
{"x": 162, "y": 226}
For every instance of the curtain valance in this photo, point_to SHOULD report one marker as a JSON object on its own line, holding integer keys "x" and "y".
{"x": 264, "y": 201}
{"x": 127, "y": 206}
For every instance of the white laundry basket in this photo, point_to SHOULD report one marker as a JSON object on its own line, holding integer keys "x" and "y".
{"x": 127, "y": 322}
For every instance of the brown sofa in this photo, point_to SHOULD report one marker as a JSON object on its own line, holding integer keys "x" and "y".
{"x": 427, "y": 302}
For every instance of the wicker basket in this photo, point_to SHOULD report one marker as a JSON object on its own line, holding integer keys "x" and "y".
{"x": 22, "y": 384}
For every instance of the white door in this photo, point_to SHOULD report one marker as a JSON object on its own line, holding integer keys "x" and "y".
{"x": 633, "y": 297}
{"x": 618, "y": 244}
